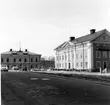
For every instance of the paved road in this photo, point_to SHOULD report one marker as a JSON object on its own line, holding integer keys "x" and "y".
{"x": 27, "y": 88}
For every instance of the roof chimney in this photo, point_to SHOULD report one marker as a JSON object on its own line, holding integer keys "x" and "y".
{"x": 72, "y": 38}
{"x": 25, "y": 50}
{"x": 92, "y": 31}
{"x": 10, "y": 49}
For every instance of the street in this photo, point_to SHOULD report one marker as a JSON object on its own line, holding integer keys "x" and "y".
{"x": 32, "y": 88}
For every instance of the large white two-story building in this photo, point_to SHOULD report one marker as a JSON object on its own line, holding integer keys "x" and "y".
{"x": 91, "y": 51}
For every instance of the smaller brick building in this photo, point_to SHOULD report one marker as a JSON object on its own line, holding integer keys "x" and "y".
{"x": 24, "y": 60}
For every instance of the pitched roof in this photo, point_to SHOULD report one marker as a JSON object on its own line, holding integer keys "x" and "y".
{"x": 89, "y": 37}
{"x": 20, "y": 52}
{"x": 60, "y": 46}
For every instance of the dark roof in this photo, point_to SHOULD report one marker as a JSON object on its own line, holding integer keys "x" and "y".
{"x": 20, "y": 52}
{"x": 89, "y": 37}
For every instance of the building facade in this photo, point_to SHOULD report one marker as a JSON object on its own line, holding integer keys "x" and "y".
{"x": 24, "y": 60}
{"x": 90, "y": 52}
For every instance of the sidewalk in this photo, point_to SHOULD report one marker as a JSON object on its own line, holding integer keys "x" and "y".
{"x": 74, "y": 72}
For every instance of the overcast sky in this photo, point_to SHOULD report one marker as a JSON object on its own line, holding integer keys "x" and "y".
{"x": 42, "y": 25}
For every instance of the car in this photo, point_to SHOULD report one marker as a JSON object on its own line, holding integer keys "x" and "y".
{"x": 48, "y": 69}
{"x": 4, "y": 68}
{"x": 14, "y": 68}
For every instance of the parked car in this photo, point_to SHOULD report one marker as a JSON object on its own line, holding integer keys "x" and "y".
{"x": 48, "y": 69}
{"x": 4, "y": 68}
{"x": 15, "y": 68}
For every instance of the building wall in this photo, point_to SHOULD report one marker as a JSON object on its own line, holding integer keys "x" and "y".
{"x": 74, "y": 56}
{"x": 21, "y": 61}
{"x": 104, "y": 56}
{"x": 83, "y": 55}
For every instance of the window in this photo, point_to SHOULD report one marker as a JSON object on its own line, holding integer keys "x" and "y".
{"x": 25, "y": 60}
{"x": 31, "y": 59}
{"x": 20, "y": 60}
{"x": 98, "y": 54}
{"x": 7, "y": 59}
{"x": 86, "y": 64}
{"x": 14, "y": 60}
{"x": 57, "y": 65}
{"x": 1, "y": 59}
{"x": 31, "y": 66}
{"x": 65, "y": 65}
{"x": 36, "y": 59}
{"x": 25, "y": 53}
{"x": 14, "y": 53}
{"x": 73, "y": 56}
{"x": 76, "y": 64}
{"x": 65, "y": 57}
{"x": 104, "y": 54}
{"x": 62, "y": 57}
{"x": 98, "y": 64}
{"x": 60, "y": 65}
{"x": 81, "y": 64}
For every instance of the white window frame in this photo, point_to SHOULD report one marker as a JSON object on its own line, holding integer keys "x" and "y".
{"x": 97, "y": 54}
{"x": 97, "y": 63}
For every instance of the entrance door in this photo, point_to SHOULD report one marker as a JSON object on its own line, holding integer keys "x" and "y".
{"x": 105, "y": 64}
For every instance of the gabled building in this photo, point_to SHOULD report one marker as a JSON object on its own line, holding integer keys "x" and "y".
{"x": 90, "y": 52}
{"x": 24, "y": 60}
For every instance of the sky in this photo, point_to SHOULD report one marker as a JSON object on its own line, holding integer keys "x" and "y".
{"x": 42, "y": 25}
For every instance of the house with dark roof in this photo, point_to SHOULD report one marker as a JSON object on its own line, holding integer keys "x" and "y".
{"x": 24, "y": 60}
{"x": 89, "y": 52}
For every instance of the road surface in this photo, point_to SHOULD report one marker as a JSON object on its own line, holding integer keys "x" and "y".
{"x": 30, "y": 88}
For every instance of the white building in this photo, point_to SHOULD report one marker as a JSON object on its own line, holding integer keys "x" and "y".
{"x": 86, "y": 52}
